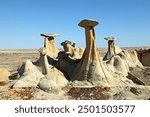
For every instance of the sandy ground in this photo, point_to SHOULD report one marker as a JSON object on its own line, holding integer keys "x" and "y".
{"x": 12, "y": 59}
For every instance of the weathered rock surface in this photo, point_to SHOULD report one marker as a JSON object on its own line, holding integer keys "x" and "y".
{"x": 90, "y": 66}
{"x": 4, "y": 74}
{"x": 49, "y": 44}
{"x": 112, "y": 49}
{"x": 116, "y": 64}
{"x": 72, "y": 50}
{"x": 70, "y": 74}
{"x": 29, "y": 75}
{"x": 54, "y": 78}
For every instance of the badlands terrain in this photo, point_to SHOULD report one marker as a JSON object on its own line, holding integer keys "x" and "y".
{"x": 13, "y": 59}
{"x": 76, "y": 73}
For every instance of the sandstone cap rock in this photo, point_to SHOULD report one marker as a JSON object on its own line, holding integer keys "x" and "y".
{"x": 88, "y": 23}
{"x": 49, "y": 35}
{"x": 110, "y": 38}
{"x": 66, "y": 41}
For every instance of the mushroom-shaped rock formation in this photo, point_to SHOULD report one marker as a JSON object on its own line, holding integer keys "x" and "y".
{"x": 72, "y": 50}
{"x": 120, "y": 60}
{"x": 90, "y": 67}
{"x": 112, "y": 48}
{"x": 114, "y": 61}
{"x": 4, "y": 74}
{"x": 50, "y": 45}
{"x": 30, "y": 76}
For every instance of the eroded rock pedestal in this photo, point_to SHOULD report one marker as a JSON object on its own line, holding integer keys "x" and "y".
{"x": 56, "y": 69}
{"x": 50, "y": 45}
{"x": 112, "y": 48}
{"x": 90, "y": 67}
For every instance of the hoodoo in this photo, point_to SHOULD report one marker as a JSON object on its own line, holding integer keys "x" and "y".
{"x": 112, "y": 48}
{"x": 90, "y": 67}
{"x": 50, "y": 45}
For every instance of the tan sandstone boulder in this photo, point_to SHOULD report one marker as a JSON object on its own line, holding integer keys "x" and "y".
{"x": 4, "y": 74}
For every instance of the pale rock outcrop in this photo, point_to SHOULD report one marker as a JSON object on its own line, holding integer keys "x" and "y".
{"x": 49, "y": 44}
{"x": 116, "y": 64}
{"x": 53, "y": 77}
{"x": 119, "y": 60}
{"x": 72, "y": 50}
{"x": 30, "y": 76}
{"x": 112, "y": 48}
{"x": 41, "y": 74}
{"x": 91, "y": 67}
{"x": 130, "y": 58}
{"x": 4, "y": 74}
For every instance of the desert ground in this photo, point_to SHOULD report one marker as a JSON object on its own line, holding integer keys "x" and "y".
{"x": 13, "y": 59}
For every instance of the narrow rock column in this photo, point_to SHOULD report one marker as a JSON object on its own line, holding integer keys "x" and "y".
{"x": 44, "y": 61}
{"x": 90, "y": 67}
{"x": 50, "y": 45}
{"x": 111, "y": 48}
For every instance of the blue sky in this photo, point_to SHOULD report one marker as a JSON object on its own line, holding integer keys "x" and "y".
{"x": 22, "y": 21}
